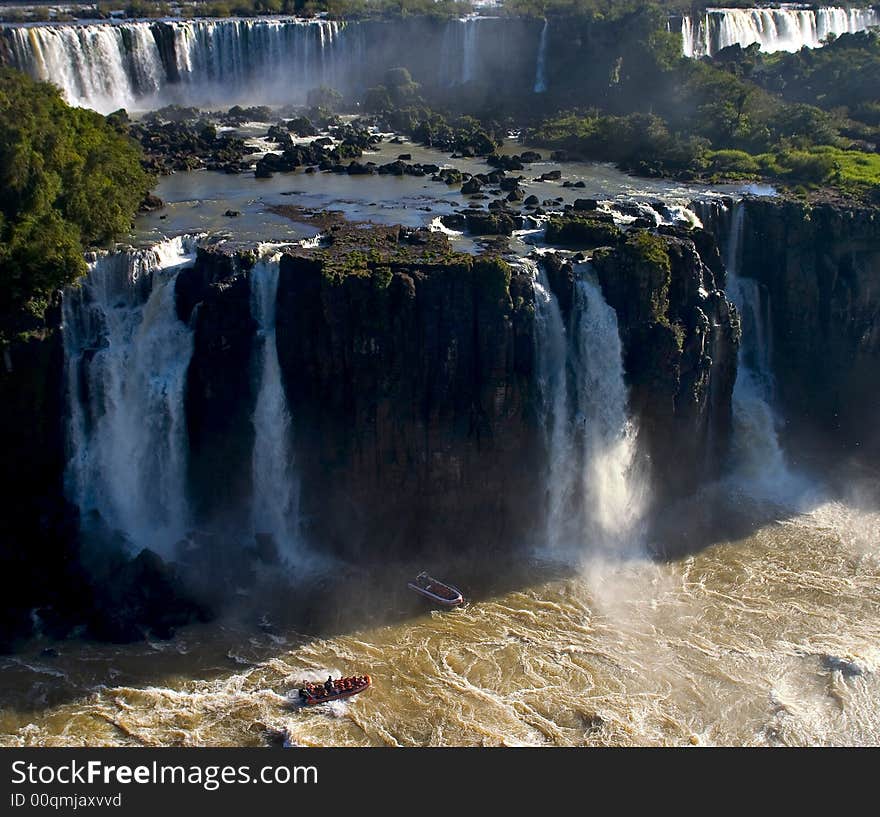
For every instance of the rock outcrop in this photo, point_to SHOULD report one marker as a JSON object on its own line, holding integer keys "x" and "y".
{"x": 820, "y": 267}
{"x": 219, "y": 388}
{"x": 408, "y": 370}
{"x": 680, "y": 339}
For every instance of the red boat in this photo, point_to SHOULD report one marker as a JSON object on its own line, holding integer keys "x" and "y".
{"x": 312, "y": 694}
{"x": 437, "y": 591}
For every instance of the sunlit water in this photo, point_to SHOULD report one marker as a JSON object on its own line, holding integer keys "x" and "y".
{"x": 196, "y": 201}
{"x": 770, "y": 639}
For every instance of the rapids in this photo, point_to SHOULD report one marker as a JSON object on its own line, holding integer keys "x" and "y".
{"x": 765, "y": 639}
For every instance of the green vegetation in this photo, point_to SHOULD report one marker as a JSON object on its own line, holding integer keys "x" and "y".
{"x": 492, "y": 274}
{"x": 356, "y": 9}
{"x": 68, "y": 180}
{"x": 807, "y": 120}
{"x": 581, "y": 231}
{"x": 398, "y": 106}
{"x": 638, "y": 142}
{"x": 644, "y": 249}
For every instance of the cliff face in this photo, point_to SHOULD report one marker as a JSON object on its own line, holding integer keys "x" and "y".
{"x": 821, "y": 269}
{"x": 38, "y": 541}
{"x": 409, "y": 371}
{"x": 680, "y": 339}
{"x": 409, "y": 379}
{"x": 214, "y": 296}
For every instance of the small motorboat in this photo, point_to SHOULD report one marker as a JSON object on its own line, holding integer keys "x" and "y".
{"x": 311, "y": 694}
{"x": 437, "y": 591}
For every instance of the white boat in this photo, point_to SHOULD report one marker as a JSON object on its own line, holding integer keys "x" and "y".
{"x": 435, "y": 590}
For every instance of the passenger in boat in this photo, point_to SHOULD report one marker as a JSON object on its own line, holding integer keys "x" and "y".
{"x": 329, "y": 685}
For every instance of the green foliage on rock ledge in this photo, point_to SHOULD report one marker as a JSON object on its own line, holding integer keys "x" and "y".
{"x": 68, "y": 180}
{"x": 492, "y": 275}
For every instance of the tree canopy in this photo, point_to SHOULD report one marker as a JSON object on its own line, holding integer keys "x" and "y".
{"x": 69, "y": 179}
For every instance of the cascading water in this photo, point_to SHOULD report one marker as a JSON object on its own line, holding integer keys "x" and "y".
{"x": 540, "y": 66}
{"x": 759, "y": 459}
{"x": 595, "y": 497}
{"x": 143, "y": 64}
{"x": 552, "y": 357}
{"x": 276, "y": 492}
{"x": 274, "y": 61}
{"x": 776, "y": 29}
{"x": 127, "y": 355}
{"x": 469, "y": 50}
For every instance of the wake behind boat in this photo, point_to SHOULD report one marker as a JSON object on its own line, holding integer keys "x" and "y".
{"x": 437, "y": 591}
{"x": 311, "y": 694}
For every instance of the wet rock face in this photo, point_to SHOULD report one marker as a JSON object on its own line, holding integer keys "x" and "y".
{"x": 219, "y": 392}
{"x": 410, "y": 387}
{"x": 820, "y": 267}
{"x": 680, "y": 340}
{"x": 37, "y": 526}
{"x": 140, "y": 596}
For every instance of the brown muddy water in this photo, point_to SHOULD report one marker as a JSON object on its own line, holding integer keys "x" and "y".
{"x": 767, "y": 638}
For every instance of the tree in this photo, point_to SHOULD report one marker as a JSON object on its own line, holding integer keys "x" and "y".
{"x": 69, "y": 179}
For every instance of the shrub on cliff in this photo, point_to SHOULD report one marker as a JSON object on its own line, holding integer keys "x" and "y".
{"x": 68, "y": 180}
{"x": 581, "y": 231}
{"x": 492, "y": 274}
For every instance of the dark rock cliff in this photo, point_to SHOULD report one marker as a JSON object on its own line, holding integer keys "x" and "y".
{"x": 408, "y": 371}
{"x": 410, "y": 376}
{"x": 38, "y": 543}
{"x": 214, "y": 296}
{"x": 680, "y": 339}
{"x": 820, "y": 268}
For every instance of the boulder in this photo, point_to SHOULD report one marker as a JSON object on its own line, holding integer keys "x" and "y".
{"x": 471, "y": 186}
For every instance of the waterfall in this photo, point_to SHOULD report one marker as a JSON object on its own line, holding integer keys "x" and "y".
{"x": 469, "y": 49}
{"x": 276, "y": 493}
{"x": 126, "y": 356}
{"x": 758, "y": 455}
{"x": 595, "y": 498}
{"x": 776, "y": 29}
{"x": 145, "y": 64}
{"x": 540, "y": 67}
{"x": 687, "y": 36}
{"x": 552, "y": 357}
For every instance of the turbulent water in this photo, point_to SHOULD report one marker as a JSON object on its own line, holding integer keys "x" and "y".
{"x": 786, "y": 28}
{"x": 769, "y": 638}
{"x": 127, "y": 355}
